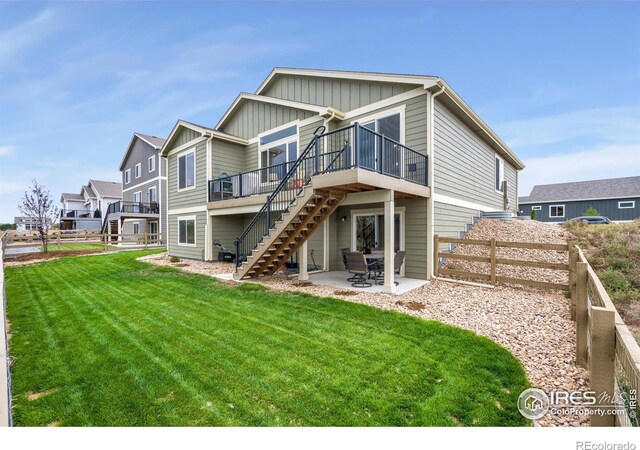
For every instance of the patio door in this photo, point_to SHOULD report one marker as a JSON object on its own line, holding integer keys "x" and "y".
{"x": 368, "y": 231}
{"x": 153, "y": 232}
{"x": 389, "y": 125}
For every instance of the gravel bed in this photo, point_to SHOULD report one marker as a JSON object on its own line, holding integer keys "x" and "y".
{"x": 533, "y": 325}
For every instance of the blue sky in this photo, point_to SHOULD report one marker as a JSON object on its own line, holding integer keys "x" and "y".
{"x": 557, "y": 81}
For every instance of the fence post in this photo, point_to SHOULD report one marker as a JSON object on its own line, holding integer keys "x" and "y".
{"x": 436, "y": 245}
{"x": 58, "y": 240}
{"x": 493, "y": 261}
{"x": 602, "y": 363}
{"x": 582, "y": 314}
{"x": 106, "y": 240}
{"x": 145, "y": 240}
{"x": 573, "y": 260}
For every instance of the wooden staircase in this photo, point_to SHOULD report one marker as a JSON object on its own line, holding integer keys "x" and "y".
{"x": 305, "y": 215}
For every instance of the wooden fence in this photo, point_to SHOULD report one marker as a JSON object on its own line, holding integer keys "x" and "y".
{"x": 494, "y": 261}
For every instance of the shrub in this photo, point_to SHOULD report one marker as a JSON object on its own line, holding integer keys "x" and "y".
{"x": 618, "y": 263}
{"x": 534, "y": 214}
{"x": 591, "y": 211}
{"x": 174, "y": 259}
{"x": 615, "y": 281}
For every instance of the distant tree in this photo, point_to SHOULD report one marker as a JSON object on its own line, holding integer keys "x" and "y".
{"x": 37, "y": 204}
{"x": 7, "y": 226}
{"x": 534, "y": 214}
{"x": 591, "y": 211}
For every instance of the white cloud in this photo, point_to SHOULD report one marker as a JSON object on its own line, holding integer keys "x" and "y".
{"x": 599, "y": 163}
{"x": 6, "y": 150}
{"x": 15, "y": 42}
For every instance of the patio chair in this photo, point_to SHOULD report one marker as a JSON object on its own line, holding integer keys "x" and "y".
{"x": 345, "y": 262}
{"x": 359, "y": 268}
{"x": 398, "y": 261}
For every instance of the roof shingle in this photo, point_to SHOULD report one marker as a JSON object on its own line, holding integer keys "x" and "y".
{"x": 107, "y": 188}
{"x": 584, "y": 190}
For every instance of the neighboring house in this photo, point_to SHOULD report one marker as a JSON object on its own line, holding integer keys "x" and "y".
{"x": 28, "y": 223}
{"x": 86, "y": 210}
{"x": 143, "y": 208}
{"x": 402, "y": 158}
{"x": 616, "y": 198}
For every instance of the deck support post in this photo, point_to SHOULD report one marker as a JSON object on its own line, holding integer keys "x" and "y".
{"x": 208, "y": 238}
{"x": 389, "y": 243}
{"x": 303, "y": 274}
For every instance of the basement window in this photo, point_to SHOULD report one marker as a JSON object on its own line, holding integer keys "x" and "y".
{"x": 187, "y": 231}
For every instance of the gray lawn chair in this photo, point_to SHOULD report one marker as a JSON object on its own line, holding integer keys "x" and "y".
{"x": 359, "y": 268}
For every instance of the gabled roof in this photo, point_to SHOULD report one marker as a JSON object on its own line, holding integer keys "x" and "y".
{"x": 107, "y": 188}
{"x": 153, "y": 141}
{"x": 245, "y": 97}
{"x": 203, "y": 130}
{"x": 70, "y": 196}
{"x": 584, "y": 190}
{"x": 90, "y": 192}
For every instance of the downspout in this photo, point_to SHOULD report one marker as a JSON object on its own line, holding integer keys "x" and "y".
{"x": 430, "y": 203}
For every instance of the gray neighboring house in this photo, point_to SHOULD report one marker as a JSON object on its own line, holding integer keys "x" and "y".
{"x": 402, "y": 158}
{"x": 616, "y": 198}
{"x": 143, "y": 208}
{"x": 27, "y": 223}
{"x": 86, "y": 209}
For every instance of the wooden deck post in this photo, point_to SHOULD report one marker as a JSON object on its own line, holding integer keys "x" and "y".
{"x": 582, "y": 314}
{"x": 389, "y": 243}
{"x": 493, "y": 261}
{"x": 602, "y": 363}
{"x": 303, "y": 274}
{"x": 436, "y": 250}
{"x": 573, "y": 260}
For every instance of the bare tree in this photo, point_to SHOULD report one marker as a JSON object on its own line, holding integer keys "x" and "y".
{"x": 37, "y": 204}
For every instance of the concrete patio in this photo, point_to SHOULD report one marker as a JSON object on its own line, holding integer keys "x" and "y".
{"x": 338, "y": 279}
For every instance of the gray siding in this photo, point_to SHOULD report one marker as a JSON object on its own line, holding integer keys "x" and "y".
{"x": 344, "y": 95}
{"x": 252, "y": 118}
{"x": 140, "y": 153}
{"x": 196, "y": 252}
{"x": 191, "y": 197}
{"x": 608, "y": 208}
{"x": 464, "y": 166}
{"x": 451, "y": 221}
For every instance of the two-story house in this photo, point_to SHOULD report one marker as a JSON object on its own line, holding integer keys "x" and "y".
{"x": 317, "y": 161}
{"x": 143, "y": 208}
{"x": 86, "y": 209}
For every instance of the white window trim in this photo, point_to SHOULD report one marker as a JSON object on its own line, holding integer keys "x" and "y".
{"x": 152, "y": 188}
{"x": 536, "y": 208}
{"x": 386, "y": 113}
{"x": 136, "y": 224}
{"x": 127, "y": 176}
{"x": 284, "y": 140}
{"x": 633, "y": 204}
{"x": 151, "y": 162}
{"x": 134, "y": 196}
{"x": 138, "y": 170}
{"x": 195, "y": 170}
{"x": 195, "y": 234}
{"x": 502, "y": 178}
{"x": 563, "y": 211}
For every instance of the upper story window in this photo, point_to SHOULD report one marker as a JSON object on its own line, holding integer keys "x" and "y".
{"x": 277, "y": 151}
{"x": 127, "y": 176}
{"x": 152, "y": 163}
{"x": 499, "y": 175}
{"x": 138, "y": 170}
{"x": 187, "y": 170}
{"x": 627, "y": 204}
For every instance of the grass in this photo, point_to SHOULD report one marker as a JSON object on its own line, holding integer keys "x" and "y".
{"x": 108, "y": 340}
{"x": 70, "y": 247}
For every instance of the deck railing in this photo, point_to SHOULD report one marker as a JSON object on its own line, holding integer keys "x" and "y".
{"x": 80, "y": 214}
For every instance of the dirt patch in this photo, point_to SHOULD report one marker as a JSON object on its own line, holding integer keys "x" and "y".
{"x": 303, "y": 284}
{"x": 33, "y": 396}
{"x": 413, "y": 306}
{"x": 57, "y": 423}
{"x": 30, "y": 258}
{"x": 179, "y": 264}
{"x": 345, "y": 293}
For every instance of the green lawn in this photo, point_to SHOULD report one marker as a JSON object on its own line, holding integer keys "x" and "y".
{"x": 108, "y": 340}
{"x": 79, "y": 246}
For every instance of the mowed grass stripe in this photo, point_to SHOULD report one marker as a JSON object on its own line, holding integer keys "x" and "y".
{"x": 194, "y": 351}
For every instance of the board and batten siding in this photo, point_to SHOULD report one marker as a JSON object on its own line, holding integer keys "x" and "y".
{"x": 189, "y": 252}
{"x": 184, "y": 136}
{"x": 253, "y": 118}
{"x": 608, "y": 208}
{"x": 342, "y": 94}
{"x": 464, "y": 166}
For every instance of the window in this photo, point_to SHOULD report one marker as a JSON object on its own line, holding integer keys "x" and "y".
{"x": 536, "y": 208}
{"x": 627, "y": 204}
{"x": 153, "y": 194}
{"x": 556, "y": 210}
{"x": 152, "y": 163}
{"x": 186, "y": 171}
{"x": 277, "y": 151}
{"x": 127, "y": 176}
{"x": 389, "y": 124}
{"x": 138, "y": 170}
{"x": 187, "y": 231}
{"x": 500, "y": 175}
{"x": 137, "y": 197}
{"x": 136, "y": 228}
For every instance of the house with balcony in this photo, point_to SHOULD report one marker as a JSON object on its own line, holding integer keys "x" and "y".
{"x": 84, "y": 211}
{"x": 142, "y": 208}
{"x": 316, "y": 164}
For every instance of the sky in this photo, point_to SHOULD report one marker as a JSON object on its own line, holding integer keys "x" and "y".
{"x": 558, "y": 82}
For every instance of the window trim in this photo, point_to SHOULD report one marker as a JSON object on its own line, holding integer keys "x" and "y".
{"x": 152, "y": 159}
{"x": 154, "y": 188}
{"x": 285, "y": 140}
{"x": 195, "y": 234}
{"x": 502, "y": 175}
{"x": 134, "y": 197}
{"x": 136, "y": 224}
{"x": 536, "y": 208}
{"x": 386, "y": 113}
{"x": 137, "y": 172}
{"x": 127, "y": 176}
{"x": 195, "y": 170}
{"x": 556, "y": 206}
{"x": 633, "y": 204}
